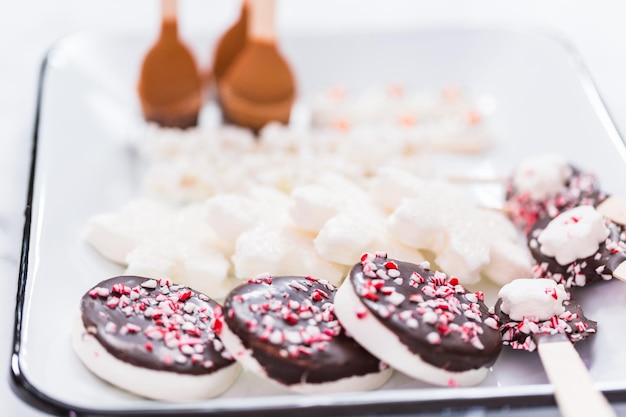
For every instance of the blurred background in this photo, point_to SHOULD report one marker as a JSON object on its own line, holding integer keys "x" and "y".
{"x": 29, "y": 28}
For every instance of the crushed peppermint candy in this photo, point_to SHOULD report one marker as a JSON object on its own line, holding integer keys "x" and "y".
{"x": 429, "y": 297}
{"x": 303, "y": 322}
{"x": 520, "y": 335}
{"x": 289, "y": 325}
{"x": 174, "y": 326}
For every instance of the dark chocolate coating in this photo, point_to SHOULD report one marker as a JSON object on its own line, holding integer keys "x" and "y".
{"x": 456, "y": 351}
{"x": 517, "y": 339}
{"x": 262, "y": 311}
{"x": 135, "y": 347}
{"x": 580, "y": 188}
{"x": 611, "y": 255}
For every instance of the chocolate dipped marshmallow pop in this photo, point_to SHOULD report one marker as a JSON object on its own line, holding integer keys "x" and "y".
{"x": 421, "y": 322}
{"x": 530, "y": 307}
{"x": 578, "y": 247}
{"x": 284, "y": 329}
{"x": 546, "y": 185}
{"x": 539, "y": 314}
{"x": 154, "y": 338}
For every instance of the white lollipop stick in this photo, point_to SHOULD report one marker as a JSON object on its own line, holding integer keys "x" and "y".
{"x": 574, "y": 390}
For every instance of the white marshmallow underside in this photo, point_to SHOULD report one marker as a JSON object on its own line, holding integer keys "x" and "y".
{"x": 149, "y": 383}
{"x": 532, "y": 298}
{"x": 574, "y": 234}
{"x": 355, "y": 383}
{"x": 385, "y": 345}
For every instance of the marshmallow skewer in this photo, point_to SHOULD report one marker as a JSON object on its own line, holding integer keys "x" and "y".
{"x": 538, "y": 314}
{"x": 574, "y": 391}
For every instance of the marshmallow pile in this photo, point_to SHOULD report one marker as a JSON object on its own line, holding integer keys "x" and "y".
{"x": 318, "y": 229}
{"x": 195, "y": 164}
{"x": 224, "y": 205}
{"x": 447, "y": 119}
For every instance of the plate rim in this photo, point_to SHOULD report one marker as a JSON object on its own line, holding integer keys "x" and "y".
{"x": 540, "y": 395}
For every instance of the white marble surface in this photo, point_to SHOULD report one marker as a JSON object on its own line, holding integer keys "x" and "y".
{"x": 29, "y": 27}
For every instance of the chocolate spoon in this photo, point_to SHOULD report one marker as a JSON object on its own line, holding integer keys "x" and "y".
{"x": 258, "y": 87}
{"x": 231, "y": 44}
{"x": 170, "y": 87}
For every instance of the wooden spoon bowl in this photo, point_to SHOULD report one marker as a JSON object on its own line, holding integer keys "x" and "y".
{"x": 259, "y": 86}
{"x": 170, "y": 86}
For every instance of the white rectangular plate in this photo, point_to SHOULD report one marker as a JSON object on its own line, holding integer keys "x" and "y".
{"x": 83, "y": 165}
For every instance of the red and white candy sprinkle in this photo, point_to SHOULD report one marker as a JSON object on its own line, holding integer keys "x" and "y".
{"x": 167, "y": 316}
{"x": 519, "y": 334}
{"x": 439, "y": 301}
{"x": 299, "y": 327}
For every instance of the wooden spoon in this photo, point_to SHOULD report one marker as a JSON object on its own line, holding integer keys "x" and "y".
{"x": 258, "y": 87}
{"x": 170, "y": 87}
{"x": 231, "y": 44}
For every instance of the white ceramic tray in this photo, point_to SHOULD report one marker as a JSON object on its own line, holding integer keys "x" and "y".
{"x": 82, "y": 165}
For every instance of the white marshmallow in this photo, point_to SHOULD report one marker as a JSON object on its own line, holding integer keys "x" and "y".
{"x": 346, "y": 236}
{"x": 508, "y": 260}
{"x": 443, "y": 120}
{"x": 190, "y": 224}
{"x": 281, "y": 251}
{"x": 391, "y": 185}
{"x": 465, "y": 255}
{"x": 116, "y": 234}
{"x": 312, "y": 206}
{"x": 542, "y": 176}
{"x": 147, "y": 261}
{"x": 191, "y": 264}
{"x": 423, "y": 223}
{"x": 465, "y": 239}
{"x": 229, "y": 215}
{"x": 536, "y": 299}
{"x": 342, "y": 215}
{"x": 258, "y": 250}
{"x": 154, "y": 240}
{"x": 574, "y": 234}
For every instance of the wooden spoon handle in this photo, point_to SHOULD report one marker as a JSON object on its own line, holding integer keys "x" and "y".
{"x": 168, "y": 10}
{"x": 262, "y": 20}
{"x": 614, "y": 208}
{"x": 574, "y": 390}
